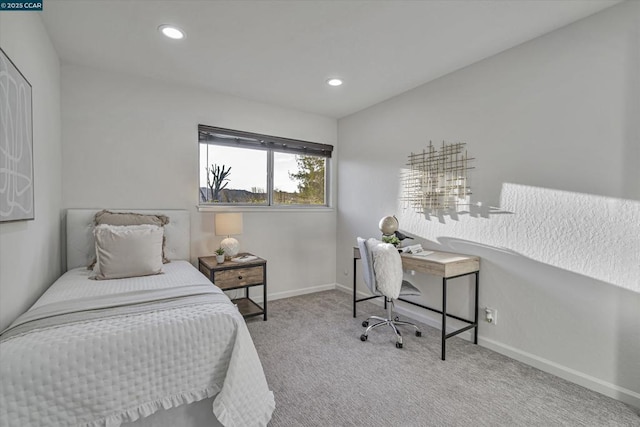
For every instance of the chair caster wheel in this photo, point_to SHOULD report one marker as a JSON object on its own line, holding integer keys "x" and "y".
{"x": 363, "y": 337}
{"x": 395, "y": 319}
{"x": 398, "y": 345}
{"x": 365, "y": 324}
{"x": 418, "y": 333}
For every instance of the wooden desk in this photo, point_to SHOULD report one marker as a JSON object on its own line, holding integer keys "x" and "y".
{"x": 443, "y": 264}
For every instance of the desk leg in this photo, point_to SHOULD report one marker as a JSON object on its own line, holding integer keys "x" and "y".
{"x": 354, "y": 287}
{"x": 264, "y": 292}
{"x": 475, "y": 334}
{"x": 444, "y": 316}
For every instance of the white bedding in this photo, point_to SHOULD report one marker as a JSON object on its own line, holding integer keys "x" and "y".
{"x": 104, "y": 372}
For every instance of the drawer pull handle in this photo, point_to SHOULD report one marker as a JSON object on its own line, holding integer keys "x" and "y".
{"x": 239, "y": 277}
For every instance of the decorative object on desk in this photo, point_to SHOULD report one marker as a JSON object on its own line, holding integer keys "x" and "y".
{"x": 414, "y": 249}
{"x": 436, "y": 180}
{"x": 388, "y": 225}
{"x": 401, "y": 236}
{"x": 16, "y": 144}
{"x": 226, "y": 225}
{"x": 391, "y": 239}
{"x": 390, "y": 234}
{"x": 219, "y": 255}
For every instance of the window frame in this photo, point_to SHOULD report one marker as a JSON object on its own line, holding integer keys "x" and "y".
{"x": 251, "y": 141}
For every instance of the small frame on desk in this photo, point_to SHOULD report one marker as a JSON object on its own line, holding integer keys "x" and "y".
{"x": 239, "y": 275}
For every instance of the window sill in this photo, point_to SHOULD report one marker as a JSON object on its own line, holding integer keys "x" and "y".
{"x": 244, "y": 208}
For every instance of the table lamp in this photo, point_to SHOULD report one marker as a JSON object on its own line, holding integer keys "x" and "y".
{"x": 226, "y": 225}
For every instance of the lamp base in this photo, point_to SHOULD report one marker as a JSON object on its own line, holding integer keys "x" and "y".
{"x": 230, "y": 246}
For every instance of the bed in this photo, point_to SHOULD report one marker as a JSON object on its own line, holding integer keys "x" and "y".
{"x": 166, "y": 349}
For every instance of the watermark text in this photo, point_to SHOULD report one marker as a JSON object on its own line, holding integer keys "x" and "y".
{"x": 24, "y": 5}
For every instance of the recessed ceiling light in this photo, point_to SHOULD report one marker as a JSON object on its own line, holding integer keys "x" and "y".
{"x": 334, "y": 82}
{"x": 171, "y": 31}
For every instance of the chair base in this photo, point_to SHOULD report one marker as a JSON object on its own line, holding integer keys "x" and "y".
{"x": 392, "y": 322}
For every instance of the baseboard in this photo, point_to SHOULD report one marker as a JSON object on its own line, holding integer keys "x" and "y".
{"x": 611, "y": 390}
{"x": 294, "y": 292}
{"x": 616, "y": 392}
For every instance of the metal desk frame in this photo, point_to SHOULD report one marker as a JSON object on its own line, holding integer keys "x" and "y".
{"x": 413, "y": 263}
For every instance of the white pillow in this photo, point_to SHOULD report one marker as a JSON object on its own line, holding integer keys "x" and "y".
{"x": 127, "y": 251}
{"x": 387, "y": 266}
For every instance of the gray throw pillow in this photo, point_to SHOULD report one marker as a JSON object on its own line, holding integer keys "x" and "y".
{"x": 132, "y": 218}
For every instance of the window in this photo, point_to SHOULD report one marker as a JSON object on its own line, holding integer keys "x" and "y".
{"x": 242, "y": 168}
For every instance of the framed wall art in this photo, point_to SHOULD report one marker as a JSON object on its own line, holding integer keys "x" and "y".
{"x": 16, "y": 144}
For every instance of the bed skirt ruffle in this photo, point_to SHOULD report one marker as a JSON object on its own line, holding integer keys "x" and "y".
{"x": 141, "y": 411}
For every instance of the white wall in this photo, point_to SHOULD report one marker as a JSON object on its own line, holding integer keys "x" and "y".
{"x": 30, "y": 250}
{"x": 130, "y": 142}
{"x": 554, "y": 126}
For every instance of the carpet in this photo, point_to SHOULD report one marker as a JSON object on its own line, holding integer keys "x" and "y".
{"x": 323, "y": 375}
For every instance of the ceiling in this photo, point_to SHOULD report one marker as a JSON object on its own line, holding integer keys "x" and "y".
{"x": 282, "y": 52}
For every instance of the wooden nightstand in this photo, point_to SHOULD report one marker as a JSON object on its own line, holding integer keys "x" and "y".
{"x": 239, "y": 275}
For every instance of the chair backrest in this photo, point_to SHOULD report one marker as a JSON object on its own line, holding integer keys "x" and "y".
{"x": 382, "y": 267}
{"x": 368, "y": 273}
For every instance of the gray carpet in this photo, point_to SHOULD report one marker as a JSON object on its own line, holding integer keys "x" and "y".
{"x": 323, "y": 375}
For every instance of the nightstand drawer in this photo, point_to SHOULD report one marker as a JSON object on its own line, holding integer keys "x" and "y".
{"x": 239, "y": 277}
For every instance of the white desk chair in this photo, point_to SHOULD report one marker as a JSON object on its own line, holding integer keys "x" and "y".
{"x": 382, "y": 272}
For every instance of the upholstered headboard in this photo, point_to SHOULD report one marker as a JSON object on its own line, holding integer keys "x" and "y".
{"x": 81, "y": 244}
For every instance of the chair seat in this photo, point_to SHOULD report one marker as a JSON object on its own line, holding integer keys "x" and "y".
{"x": 408, "y": 289}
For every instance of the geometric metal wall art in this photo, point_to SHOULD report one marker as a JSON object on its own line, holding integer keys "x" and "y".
{"x": 437, "y": 180}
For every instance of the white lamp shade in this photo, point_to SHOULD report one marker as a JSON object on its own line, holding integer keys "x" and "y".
{"x": 228, "y": 224}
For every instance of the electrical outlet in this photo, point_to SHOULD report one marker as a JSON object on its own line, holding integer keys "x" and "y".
{"x": 491, "y": 315}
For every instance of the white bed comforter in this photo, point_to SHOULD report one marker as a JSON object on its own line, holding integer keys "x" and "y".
{"x": 104, "y": 372}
